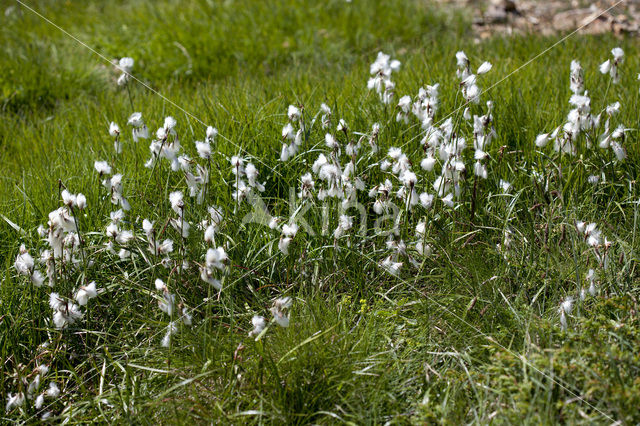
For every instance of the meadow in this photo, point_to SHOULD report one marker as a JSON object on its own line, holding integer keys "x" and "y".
{"x": 314, "y": 212}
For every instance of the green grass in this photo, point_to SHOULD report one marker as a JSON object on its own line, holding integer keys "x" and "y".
{"x": 471, "y": 334}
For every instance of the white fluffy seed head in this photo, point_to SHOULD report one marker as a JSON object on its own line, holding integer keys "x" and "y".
{"x": 293, "y": 112}
{"x": 484, "y": 68}
{"x": 160, "y": 285}
{"x": 114, "y": 129}
{"x": 102, "y": 167}
{"x": 542, "y": 139}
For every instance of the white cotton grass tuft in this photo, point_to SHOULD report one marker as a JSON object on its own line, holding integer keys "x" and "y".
{"x": 484, "y": 68}
{"x": 216, "y": 258}
{"x": 176, "y": 199}
{"x": 610, "y": 66}
{"x": 160, "y": 285}
{"x": 576, "y": 82}
{"x": 39, "y": 402}
{"x": 345, "y": 223}
{"x": 25, "y": 265}
{"x": 214, "y": 262}
{"x": 140, "y": 130}
{"x": 447, "y": 200}
{"x": 259, "y": 323}
{"x": 186, "y": 317}
{"x": 81, "y": 201}
{"x": 504, "y": 186}
{"x": 204, "y": 149}
{"x": 283, "y": 245}
{"x": 65, "y": 313}
{"x": 565, "y": 309}
{"x": 24, "y": 262}
{"x": 167, "y": 303}
{"x": 426, "y": 200}
{"x": 380, "y": 81}
{"x": 170, "y": 123}
{"x": 14, "y": 401}
{"x": 85, "y": 293}
{"x": 135, "y": 120}
{"x": 428, "y": 163}
{"x": 114, "y": 129}
{"x": 211, "y": 134}
{"x": 171, "y": 330}
{"x": 293, "y": 112}
{"x": 53, "y": 391}
{"x": 289, "y": 231}
{"x": 125, "y": 64}
{"x": 102, "y": 167}
{"x": 480, "y": 170}
{"x": 391, "y": 266}
{"x": 542, "y": 140}
{"x": 591, "y": 278}
{"x": 280, "y": 311}
{"x": 567, "y": 305}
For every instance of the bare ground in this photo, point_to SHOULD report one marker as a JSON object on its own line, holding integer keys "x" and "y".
{"x": 550, "y": 17}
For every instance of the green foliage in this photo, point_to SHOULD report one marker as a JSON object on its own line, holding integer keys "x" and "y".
{"x": 471, "y": 334}
{"x": 589, "y": 375}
